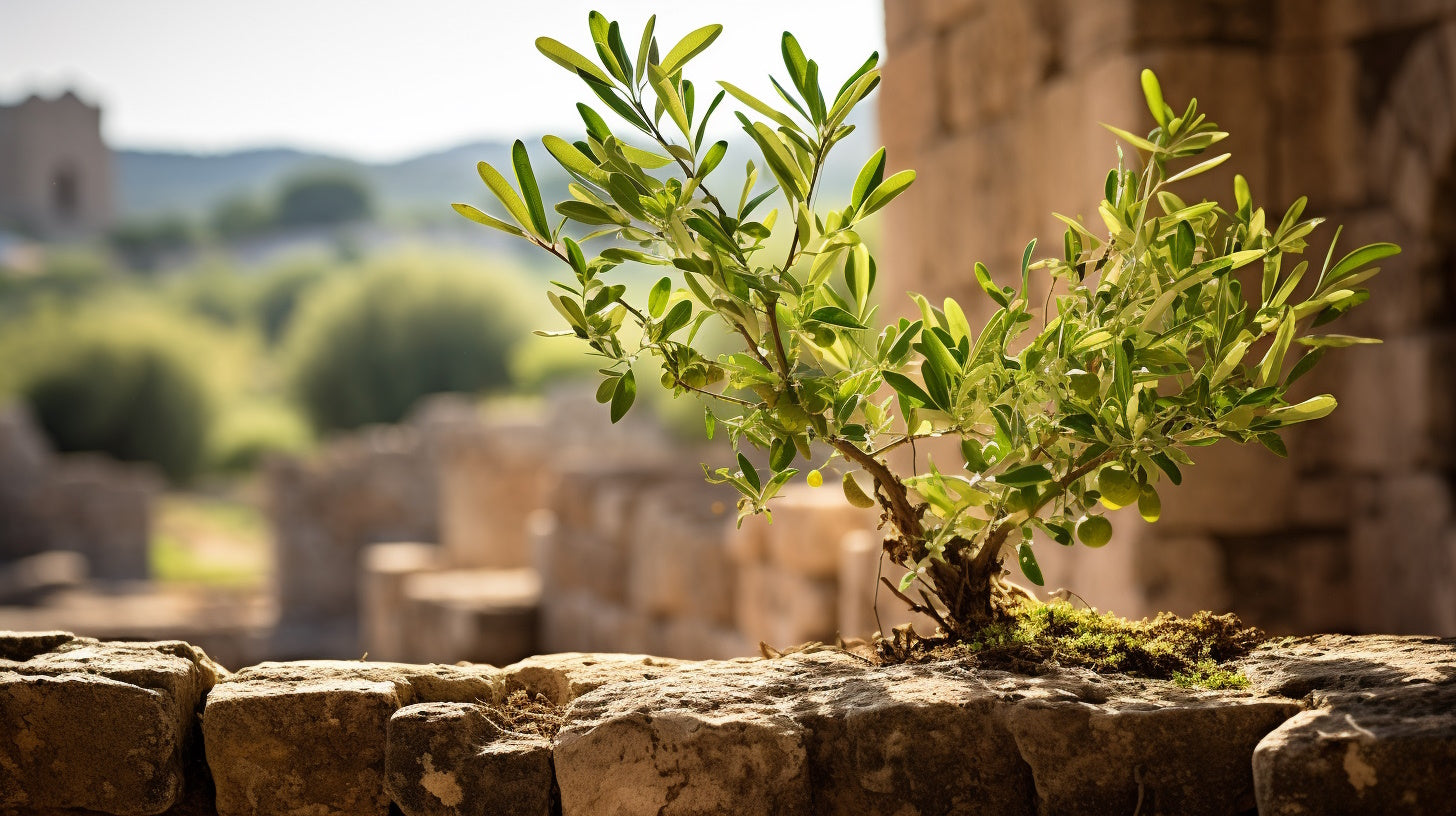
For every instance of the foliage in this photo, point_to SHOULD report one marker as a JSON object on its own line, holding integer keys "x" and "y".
{"x": 144, "y": 245}
{"x": 281, "y": 290}
{"x": 322, "y": 198}
{"x": 1149, "y": 344}
{"x": 240, "y": 217}
{"x": 246, "y": 434}
{"x": 366, "y": 348}
{"x": 122, "y": 390}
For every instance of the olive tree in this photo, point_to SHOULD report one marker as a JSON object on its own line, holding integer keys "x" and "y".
{"x": 1169, "y": 324}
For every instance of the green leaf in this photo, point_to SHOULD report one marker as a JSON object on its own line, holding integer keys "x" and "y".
{"x": 573, "y": 160}
{"x": 1025, "y": 476}
{"x": 644, "y": 47}
{"x": 1335, "y": 341}
{"x": 657, "y": 298}
{"x": 1363, "y": 256}
{"x": 1273, "y": 363}
{"x": 854, "y": 494}
{"x": 1312, "y": 408}
{"x": 1184, "y": 243}
{"x": 505, "y": 194}
{"x": 569, "y": 59}
{"x": 689, "y": 47}
{"x": 983, "y": 277}
{"x": 870, "y": 177}
{"x": 906, "y": 387}
{"x": 886, "y": 191}
{"x": 1026, "y": 265}
{"x": 681, "y": 315}
{"x": 490, "y": 221}
{"x": 781, "y": 455}
{"x": 750, "y": 474}
{"x": 1027, "y": 559}
{"x": 529, "y": 191}
{"x": 835, "y": 316}
{"x": 607, "y": 389}
{"x": 762, "y": 108}
{"x": 1136, "y": 141}
{"x": 1153, "y": 93}
{"x": 794, "y": 61}
{"x": 712, "y": 158}
{"x": 710, "y": 422}
{"x": 1201, "y": 167}
{"x": 623, "y": 396}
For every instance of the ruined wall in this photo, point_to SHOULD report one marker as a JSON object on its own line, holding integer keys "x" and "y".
{"x": 55, "y": 169}
{"x": 1351, "y": 102}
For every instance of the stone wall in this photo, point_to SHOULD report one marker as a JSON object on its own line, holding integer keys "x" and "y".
{"x": 55, "y": 169}
{"x": 1330, "y": 725}
{"x": 1350, "y": 102}
{"x": 83, "y": 504}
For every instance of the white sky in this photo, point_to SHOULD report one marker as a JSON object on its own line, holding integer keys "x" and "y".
{"x": 376, "y": 80}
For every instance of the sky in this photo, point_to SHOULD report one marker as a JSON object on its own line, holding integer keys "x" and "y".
{"x": 377, "y": 81}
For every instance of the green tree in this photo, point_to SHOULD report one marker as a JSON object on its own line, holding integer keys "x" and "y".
{"x": 323, "y": 198}
{"x": 367, "y": 348}
{"x": 1150, "y": 344}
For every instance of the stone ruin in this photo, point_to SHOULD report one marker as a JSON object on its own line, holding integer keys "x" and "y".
{"x": 1350, "y": 102}
{"x": 67, "y": 519}
{"x": 457, "y": 537}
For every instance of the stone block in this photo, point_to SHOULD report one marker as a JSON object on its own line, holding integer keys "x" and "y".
{"x": 100, "y": 726}
{"x": 479, "y": 615}
{"x": 1111, "y": 758}
{"x": 310, "y": 737}
{"x": 909, "y": 100}
{"x": 1380, "y": 736}
{"x": 385, "y": 569}
{"x": 563, "y": 677}
{"x": 1230, "y": 489}
{"x": 808, "y": 525}
{"x": 452, "y": 759}
{"x": 620, "y": 754}
{"x": 491, "y": 480}
{"x": 994, "y": 61}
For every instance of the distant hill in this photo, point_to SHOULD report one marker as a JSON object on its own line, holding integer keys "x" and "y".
{"x": 153, "y": 183}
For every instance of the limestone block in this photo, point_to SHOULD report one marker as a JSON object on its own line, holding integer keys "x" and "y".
{"x": 903, "y": 21}
{"x": 994, "y": 61}
{"x": 451, "y": 759}
{"x": 381, "y": 594}
{"x": 477, "y": 615}
{"x": 1381, "y": 737}
{"x": 491, "y": 480}
{"x": 564, "y": 677}
{"x": 100, "y": 726}
{"x": 621, "y": 754}
{"x": 309, "y": 737}
{"x": 1231, "y": 489}
{"x": 909, "y": 99}
{"x": 807, "y": 527}
{"x": 1109, "y": 758}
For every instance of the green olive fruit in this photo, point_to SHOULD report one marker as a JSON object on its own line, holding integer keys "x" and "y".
{"x": 1117, "y": 486}
{"x": 1094, "y": 531}
{"x": 1150, "y": 507}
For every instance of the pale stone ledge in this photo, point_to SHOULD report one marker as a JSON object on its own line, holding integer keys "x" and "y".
{"x": 1331, "y": 724}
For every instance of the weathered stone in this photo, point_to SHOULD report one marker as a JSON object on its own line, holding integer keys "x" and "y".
{"x": 385, "y": 569}
{"x": 1381, "y": 737}
{"x": 102, "y": 726}
{"x": 679, "y": 748}
{"x": 566, "y": 676}
{"x": 452, "y": 759}
{"x": 938, "y": 738}
{"x": 309, "y": 737}
{"x": 1144, "y": 756}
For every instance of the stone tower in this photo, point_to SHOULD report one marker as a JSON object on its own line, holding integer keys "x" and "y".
{"x": 1350, "y": 102}
{"x": 55, "y": 170}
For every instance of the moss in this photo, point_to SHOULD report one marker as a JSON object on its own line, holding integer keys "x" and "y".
{"x": 1191, "y": 652}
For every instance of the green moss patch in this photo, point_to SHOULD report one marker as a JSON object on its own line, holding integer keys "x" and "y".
{"x": 1191, "y": 652}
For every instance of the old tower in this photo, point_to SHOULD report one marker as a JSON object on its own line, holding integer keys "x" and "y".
{"x": 55, "y": 169}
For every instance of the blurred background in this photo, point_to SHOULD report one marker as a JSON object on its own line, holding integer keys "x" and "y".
{"x": 260, "y": 389}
